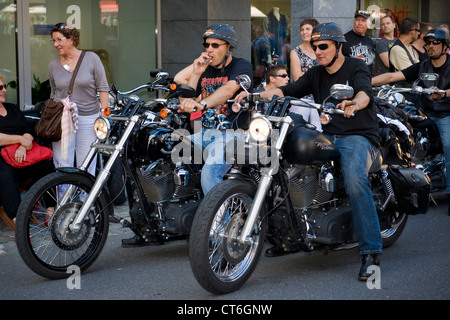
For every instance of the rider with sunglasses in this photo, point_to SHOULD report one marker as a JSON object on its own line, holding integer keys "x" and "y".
{"x": 355, "y": 133}
{"x": 436, "y": 106}
{"x": 214, "y": 74}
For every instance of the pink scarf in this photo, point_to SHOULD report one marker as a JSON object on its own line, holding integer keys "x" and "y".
{"x": 69, "y": 124}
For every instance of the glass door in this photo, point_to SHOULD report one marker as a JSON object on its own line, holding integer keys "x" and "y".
{"x": 121, "y": 32}
{"x": 8, "y": 42}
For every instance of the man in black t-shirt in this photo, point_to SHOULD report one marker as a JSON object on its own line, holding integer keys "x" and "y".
{"x": 355, "y": 133}
{"x": 436, "y": 106}
{"x": 357, "y": 44}
{"x": 213, "y": 74}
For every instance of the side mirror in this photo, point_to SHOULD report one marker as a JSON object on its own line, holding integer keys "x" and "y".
{"x": 341, "y": 91}
{"x": 244, "y": 81}
{"x": 154, "y": 73}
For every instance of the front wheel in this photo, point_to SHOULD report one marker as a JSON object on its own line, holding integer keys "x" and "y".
{"x": 44, "y": 240}
{"x": 220, "y": 263}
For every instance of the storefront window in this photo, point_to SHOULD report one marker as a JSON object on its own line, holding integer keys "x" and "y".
{"x": 399, "y": 9}
{"x": 8, "y": 43}
{"x": 121, "y": 32}
{"x": 270, "y": 35}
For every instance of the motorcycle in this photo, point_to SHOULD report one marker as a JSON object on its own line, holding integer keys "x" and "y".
{"x": 63, "y": 219}
{"x": 427, "y": 151}
{"x": 287, "y": 188}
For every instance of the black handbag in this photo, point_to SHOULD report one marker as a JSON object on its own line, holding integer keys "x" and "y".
{"x": 49, "y": 125}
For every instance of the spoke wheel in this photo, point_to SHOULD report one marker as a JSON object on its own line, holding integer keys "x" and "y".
{"x": 44, "y": 238}
{"x": 220, "y": 262}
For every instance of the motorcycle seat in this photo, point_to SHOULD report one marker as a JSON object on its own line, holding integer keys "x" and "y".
{"x": 377, "y": 163}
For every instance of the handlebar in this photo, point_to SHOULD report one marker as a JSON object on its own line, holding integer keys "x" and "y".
{"x": 149, "y": 86}
{"x": 415, "y": 89}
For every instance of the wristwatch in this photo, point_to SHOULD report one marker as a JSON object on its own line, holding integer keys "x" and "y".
{"x": 204, "y": 104}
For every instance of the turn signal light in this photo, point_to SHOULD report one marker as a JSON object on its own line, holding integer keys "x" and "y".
{"x": 173, "y": 86}
{"x": 164, "y": 113}
{"x": 107, "y": 111}
{"x": 325, "y": 118}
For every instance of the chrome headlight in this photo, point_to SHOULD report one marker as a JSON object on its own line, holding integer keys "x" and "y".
{"x": 101, "y": 128}
{"x": 260, "y": 129}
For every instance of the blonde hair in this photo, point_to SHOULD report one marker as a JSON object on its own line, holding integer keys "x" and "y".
{"x": 2, "y": 79}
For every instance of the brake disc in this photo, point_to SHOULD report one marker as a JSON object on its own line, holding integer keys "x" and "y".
{"x": 62, "y": 235}
{"x": 234, "y": 251}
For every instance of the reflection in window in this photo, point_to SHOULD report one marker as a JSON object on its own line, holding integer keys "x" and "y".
{"x": 270, "y": 35}
{"x": 7, "y": 41}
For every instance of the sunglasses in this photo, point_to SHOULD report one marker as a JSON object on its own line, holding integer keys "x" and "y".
{"x": 435, "y": 42}
{"x": 61, "y": 26}
{"x": 322, "y": 47}
{"x": 284, "y": 75}
{"x": 418, "y": 30}
{"x": 57, "y": 40}
{"x": 2, "y": 86}
{"x": 214, "y": 45}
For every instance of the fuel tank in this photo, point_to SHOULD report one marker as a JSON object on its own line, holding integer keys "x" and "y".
{"x": 152, "y": 142}
{"x": 308, "y": 146}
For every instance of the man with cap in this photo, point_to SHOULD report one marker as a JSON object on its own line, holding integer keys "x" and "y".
{"x": 214, "y": 74}
{"x": 355, "y": 133}
{"x": 436, "y": 106}
{"x": 359, "y": 45}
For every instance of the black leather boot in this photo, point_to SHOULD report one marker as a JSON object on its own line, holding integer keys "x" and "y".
{"x": 367, "y": 261}
{"x": 135, "y": 241}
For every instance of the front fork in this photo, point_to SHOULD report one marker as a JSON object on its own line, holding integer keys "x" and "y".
{"x": 102, "y": 177}
{"x": 263, "y": 187}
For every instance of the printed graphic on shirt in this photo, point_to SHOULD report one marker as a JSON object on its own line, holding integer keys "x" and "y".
{"x": 210, "y": 85}
{"x": 363, "y": 52}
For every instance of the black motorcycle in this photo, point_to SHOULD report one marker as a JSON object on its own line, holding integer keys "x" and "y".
{"x": 63, "y": 219}
{"x": 287, "y": 188}
{"x": 426, "y": 151}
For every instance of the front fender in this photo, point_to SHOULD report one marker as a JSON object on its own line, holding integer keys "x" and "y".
{"x": 239, "y": 176}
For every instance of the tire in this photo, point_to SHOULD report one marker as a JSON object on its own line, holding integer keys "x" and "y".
{"x": 391, "y": 235}
{"x": 220, "y": 264}
{"x": 44, "y": 244}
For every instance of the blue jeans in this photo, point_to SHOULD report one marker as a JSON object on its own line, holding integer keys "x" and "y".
{"x": 443, "y": 125}
{"x": 214, "y": 165}
{"x": 357, "y": 156}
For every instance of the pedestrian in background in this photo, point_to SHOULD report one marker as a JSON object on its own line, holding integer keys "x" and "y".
{"x": 384, "y": 44}
{"x": 91, "y": 79}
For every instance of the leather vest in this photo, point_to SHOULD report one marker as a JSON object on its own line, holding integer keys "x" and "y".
{"x": 440, "y": 107}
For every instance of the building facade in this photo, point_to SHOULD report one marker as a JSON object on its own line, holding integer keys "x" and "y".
{"x": 133, "y": 37}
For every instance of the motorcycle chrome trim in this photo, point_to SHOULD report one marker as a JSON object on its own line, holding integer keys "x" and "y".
{"x": 102, "y": 177}
{"x": 263, "y": 187}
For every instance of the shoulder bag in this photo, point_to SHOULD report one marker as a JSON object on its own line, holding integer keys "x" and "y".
{"x": 49, "y": 125}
